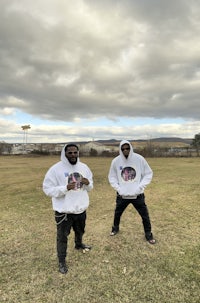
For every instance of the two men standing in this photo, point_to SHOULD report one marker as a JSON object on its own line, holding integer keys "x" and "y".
{"x": 69, "y": 181}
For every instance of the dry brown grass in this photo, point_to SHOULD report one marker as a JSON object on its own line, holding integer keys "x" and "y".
{"x": 119, "y": 269}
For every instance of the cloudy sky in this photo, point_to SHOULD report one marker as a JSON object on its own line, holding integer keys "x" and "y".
{"x": 99, "y": 69}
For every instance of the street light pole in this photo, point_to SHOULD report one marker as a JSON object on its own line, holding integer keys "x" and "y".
{"x": 25, "y": 129}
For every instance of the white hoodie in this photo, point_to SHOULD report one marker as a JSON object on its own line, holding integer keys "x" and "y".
{"x": 55, "y": 186}
{"x": 129, "y": 176}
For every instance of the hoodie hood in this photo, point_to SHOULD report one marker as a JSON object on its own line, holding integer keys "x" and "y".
{"x": 63, "y": 157}
{"x": 120, "y": 149}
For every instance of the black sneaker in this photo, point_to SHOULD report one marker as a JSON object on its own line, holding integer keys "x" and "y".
{"x": 150, "y": 239}
{"x": 114, "y": 232}
{"x": 63, "y": 268}
{"x": 83, "y": 246}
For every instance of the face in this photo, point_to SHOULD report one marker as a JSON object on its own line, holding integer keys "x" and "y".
{"x": 72, "y": 154}
{"x": 125, "y": 150}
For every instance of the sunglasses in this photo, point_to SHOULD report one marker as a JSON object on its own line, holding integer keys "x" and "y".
{"x": 126, "y": 148}
{"x": 70, "y": 152}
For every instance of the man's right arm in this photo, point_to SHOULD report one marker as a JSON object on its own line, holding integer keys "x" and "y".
{"x": 113, "y": 178}
{"x": 51, "y": 187}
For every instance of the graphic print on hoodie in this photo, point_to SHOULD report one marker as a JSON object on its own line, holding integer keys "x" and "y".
{"x": 128, "y": 173}
{"x": 74, "y": 177}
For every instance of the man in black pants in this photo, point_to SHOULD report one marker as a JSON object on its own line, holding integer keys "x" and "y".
{"x": 129, "y": 175}
{"x": 68, "y": 183}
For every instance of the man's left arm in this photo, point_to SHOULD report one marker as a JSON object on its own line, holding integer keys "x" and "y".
{"x": 87, "y": 180}
{"x": 147, "y": 175}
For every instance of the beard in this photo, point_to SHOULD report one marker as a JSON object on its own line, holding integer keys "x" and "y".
{"x": 72, "y": 161}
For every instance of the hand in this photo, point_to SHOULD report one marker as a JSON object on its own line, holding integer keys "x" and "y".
{"x": 85, "y": 181}
{"x": 71, "y": 186}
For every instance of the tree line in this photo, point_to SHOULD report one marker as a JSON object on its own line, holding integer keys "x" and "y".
{"x": 150, "y": 150}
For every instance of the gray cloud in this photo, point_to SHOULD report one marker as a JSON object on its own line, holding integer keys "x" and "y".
{"x": 87, "y": 59}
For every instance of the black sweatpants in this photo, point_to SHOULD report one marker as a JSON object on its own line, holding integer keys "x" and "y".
{"x": 64, "y": 224}
{"x": 141, "y": 208}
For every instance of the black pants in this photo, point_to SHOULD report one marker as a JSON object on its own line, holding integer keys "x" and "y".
{"x": 64, "y": 224}
{"x": 141, "y": 208}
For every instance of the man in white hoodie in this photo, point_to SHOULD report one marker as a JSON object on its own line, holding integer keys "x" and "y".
{"x": 129, "y": 175}
{"x": 68, "y": 183}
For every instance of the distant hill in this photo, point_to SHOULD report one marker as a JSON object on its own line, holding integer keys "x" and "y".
{"x": 162, "y": 139}
{"x": 172, "y": 139}
{"x": 168, "y": 142}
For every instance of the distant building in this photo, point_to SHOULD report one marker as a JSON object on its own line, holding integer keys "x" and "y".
{"x": 86, "y": 149}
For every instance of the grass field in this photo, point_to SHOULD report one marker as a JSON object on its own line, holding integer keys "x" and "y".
{"x": 119, "y": 269}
